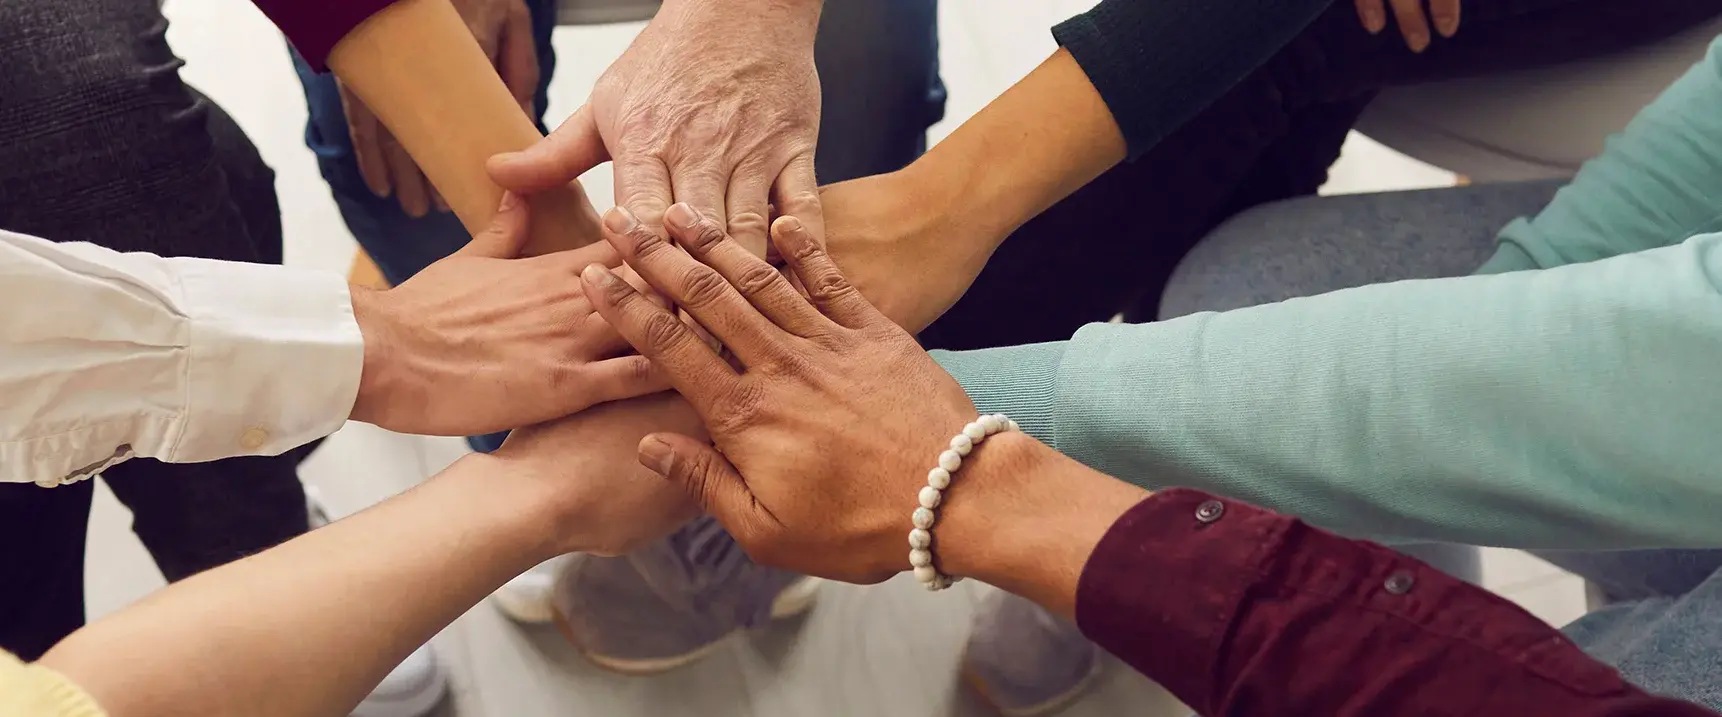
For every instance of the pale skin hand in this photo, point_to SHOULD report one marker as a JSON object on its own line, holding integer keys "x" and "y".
{"x": 715, "y": 104}
{"x": 447, "y": 353}
{"x": 503, "y": 29}
{"x": 1408, "y": 15}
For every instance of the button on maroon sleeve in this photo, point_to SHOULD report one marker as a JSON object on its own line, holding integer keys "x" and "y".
{"x": 314, "y": 26}
{"x": 1237, "y": 610}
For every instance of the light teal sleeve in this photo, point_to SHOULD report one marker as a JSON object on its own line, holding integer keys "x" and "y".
{"x": 1578, "y": 407}
{"x": 1656, "y": 183}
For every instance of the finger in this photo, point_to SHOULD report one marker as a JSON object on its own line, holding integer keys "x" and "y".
{"x": 696, "y": 288}
{"x": 711, "y": 481}
{"x": 701, "y": 185}
{"x": 756, "y": 280}
{"x": 1412, "y": 26}
{"x": 749, "y": 204}
{"x": 436, "y": 198}
{"x": 365, "y": 132}
{"x": 506, "y": 235}
{"x": 826, "y": 287}
{"x": 1372, "y": 15}
{"x": 411, "y": 189}
{"x": 517, "y": 59}
{"x": 643, "y": 188}
{"x": 622, "y": 378}
{"x": 567, "y": 153}
{"x": 1445, "y": 14}
{"x": 796, "y": 194}
{"x": 691, "y": 366}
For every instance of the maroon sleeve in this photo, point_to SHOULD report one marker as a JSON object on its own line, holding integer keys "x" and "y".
{"x": 1237, "y": 610}
{"x": 314, "y": 26}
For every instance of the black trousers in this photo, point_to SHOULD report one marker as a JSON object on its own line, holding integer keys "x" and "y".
{"x": 100, "y": 141}
{"x": 1110, "y": 247}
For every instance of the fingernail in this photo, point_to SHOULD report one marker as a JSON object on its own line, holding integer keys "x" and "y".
{"x": 1447, "y": 25}
{"x": 682, "y": 216}
{"x": 791, "y": 225}
{"x": 510, "y": 200}
{"x": 620, "y": 220}
{"x": 1374, "y": 22}
{"x": 656, "y": 455}
{"x": 597, "y": 274}
{"x": 1418, "y": 42}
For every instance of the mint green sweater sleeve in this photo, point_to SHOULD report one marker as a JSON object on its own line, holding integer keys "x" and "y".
{"x": 1573, "y": 407}
{"x": 1565, "y": 408}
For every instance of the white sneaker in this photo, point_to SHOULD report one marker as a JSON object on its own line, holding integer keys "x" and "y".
{"x": 412, "y": 689}
{"x": 527, "y": 598}
{"x": 416, "y": 685}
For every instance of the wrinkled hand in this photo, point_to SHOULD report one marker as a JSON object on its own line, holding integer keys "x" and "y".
{"x": 1408, "y": 15}
{"x": 482, "y": 342}
{"x": 503, "y": 29}
{"x": 715, "y": 104}
{"x": 606, "y": 502}
{"x": 825, "y": 435}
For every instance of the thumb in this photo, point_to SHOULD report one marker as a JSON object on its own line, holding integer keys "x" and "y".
{"x": 556, "y": 160}
{"x": 708, "y": 477}
{"x": 506, "y": 235}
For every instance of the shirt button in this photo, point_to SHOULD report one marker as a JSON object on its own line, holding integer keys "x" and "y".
{"x": 253, "y": 439}
{"x": 1400, "y": 583}
{"x": 1210, "y": 511}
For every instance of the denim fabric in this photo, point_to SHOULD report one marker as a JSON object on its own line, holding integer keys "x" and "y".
{"x": 1670, "y": 644}
{"x": 878, "y": 65}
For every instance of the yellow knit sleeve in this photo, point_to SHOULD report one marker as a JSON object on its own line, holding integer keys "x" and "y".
{"x": 35, "y": 691}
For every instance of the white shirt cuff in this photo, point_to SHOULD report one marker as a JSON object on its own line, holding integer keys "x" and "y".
{"x": 276, "y": 357}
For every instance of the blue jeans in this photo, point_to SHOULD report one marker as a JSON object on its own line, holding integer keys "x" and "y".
{"x": 878, "y": 64}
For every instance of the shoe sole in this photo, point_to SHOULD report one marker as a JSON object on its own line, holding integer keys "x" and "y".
{"x": 794, "y": 600}
{"x": 1041, "y": 709}
{"x": 523, "y": 610}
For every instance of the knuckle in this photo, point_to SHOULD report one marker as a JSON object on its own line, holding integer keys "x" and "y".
{"x": 748, "y": 222}
{"x": 646, "y": 244}
{"x": 757, "y": 278}
{"x": 662, "y": 330}
{"x": 799, "y": 202}
{"x": 828, "y": 286}
{"x": 705, "y": 236}
{"x": 702, "y": 287}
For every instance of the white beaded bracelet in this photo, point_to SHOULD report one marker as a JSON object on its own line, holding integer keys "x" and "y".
{"x": 938, "y": 479}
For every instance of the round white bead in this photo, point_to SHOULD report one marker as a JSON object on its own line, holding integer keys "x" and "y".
{"x": 923, "y": 518}
{"x": 920, "y": 539}
{"x": 992, "y": 424}
{"x": 926, "y": 574}
{"x": 920, "y": 558}
{"x": 939, "y": 478}
{"x": 930, "y": 497}
{"x": 950, "y": 461}
{"x": 975, "y": 431}
{"x": 1012, "y": 425}
{"x": 962, "y": 444}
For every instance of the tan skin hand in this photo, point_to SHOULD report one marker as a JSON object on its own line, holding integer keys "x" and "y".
{"x": 503, "y": 29}
{"x": 828, "y": 386}
{"x": 1409, "y": 16}
{"x": 448, "y": 354}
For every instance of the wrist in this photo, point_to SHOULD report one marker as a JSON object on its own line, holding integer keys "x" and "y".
{"x": 787, "y": 21}
{"x": 1023, "y": 517}
{"x": 508, "y": 501}
{"x": 380, "y": 373}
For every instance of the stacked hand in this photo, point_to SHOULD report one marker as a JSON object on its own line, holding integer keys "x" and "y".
{"x": 482, "y": 341}
{"x": 826, "y": 432}
{"x": 715, "y": 104}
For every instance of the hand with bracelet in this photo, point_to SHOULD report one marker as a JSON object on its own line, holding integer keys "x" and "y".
{"x": 834, "y": 426}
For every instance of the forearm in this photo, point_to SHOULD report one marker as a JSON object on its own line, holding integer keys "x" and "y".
{"x": 309, "y": 627}
{"x": 1562, "y": 408}
{"x": 451, "y": 112}
{"x": 1035, "y": 144}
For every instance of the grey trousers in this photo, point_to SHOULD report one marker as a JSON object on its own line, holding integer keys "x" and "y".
{"x": 100, "y": 141}
{"x": 1663, "y": 625}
